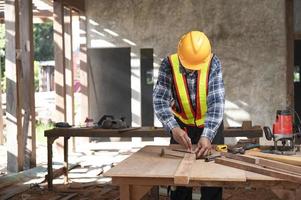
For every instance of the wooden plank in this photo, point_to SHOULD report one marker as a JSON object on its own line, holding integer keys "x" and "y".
{"x": 66, "y": 160}
{"x": 124, "y": 192}
{"x": 69, "y": 74}
{"x": 20, "y": 177}
{"x": 293, "y": 160}
{"x": 289, "y": 21}
{"x": 61, "y": 171}
{"x": 137, "y": 191}
{"x": 146, "y": 163}
{"x": 59, "y": 73}
{"x": 182, "y": 174}
{"x": 99, "y": 132}
{"x": 83, "y": 68}
{"x": 59, "y": 55}
{"x": 210, "y": 171}
{"x": 27, "y": 83}
{"x": 253, "y": 180}
{"x": 271, "y": 164}
{"x": 15, "y": 141}
{"x": 143, "y": 131}
{"x": 258, "y": 169}
{"x": 243, "y": 158}
{"x": 254, "y": 132}
{"x": 279, "y": 166}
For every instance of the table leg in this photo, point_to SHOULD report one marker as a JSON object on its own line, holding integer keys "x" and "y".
{"x": 133, "y": 192}
{"x": 66, "y": 159}
{"x": 125, "y": 192}
{"x": 50, "y": 141}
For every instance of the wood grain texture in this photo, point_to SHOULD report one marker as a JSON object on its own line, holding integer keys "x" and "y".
{"x": 146, "y": 166}
{"x": 271, "y": 164}
{"x": 146, "y": 163}
{"x": 293, "y": 160}
{"x": 100, "y": 132}
{"x": 258, "y": 169}
{"x": 210, "y": 171}
{"x": 138, "y": 192}
{"x": 182, "y": 174}
{"x": 279, "y": 166}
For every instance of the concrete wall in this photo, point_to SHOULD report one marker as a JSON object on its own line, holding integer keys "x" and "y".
{"x": 297, "y": 15}
{"x": 248, "y": 36}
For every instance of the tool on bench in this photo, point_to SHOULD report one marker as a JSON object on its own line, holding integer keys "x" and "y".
{"x": 283, "y": 131}
{"x": 109, "y": 122}
{"x": 221, "y": 148}
{"x": 181, "y": 150}
{"x": 242, "y": 149}
{"x": 212, "y": 157}
{"x": 167, "y": 152}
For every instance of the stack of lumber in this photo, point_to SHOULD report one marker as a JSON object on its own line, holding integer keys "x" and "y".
{"x": 277, "y": 166}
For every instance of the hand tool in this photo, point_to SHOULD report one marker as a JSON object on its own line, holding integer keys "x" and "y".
{"x": 221, "y": 148}
{"x": 236, "y": 150}
{"x": 283, "y": 130}
{"x": 212, "y": 157}
{"x": 167, "y": 152}
{"x": 181, "y": 150}
{"x": 242, "y": 149}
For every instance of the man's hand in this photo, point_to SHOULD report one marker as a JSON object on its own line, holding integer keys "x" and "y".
{"x": 203, "y": 147}
{"x": 182, "y": 138}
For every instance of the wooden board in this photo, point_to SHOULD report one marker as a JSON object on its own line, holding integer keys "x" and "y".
{"x": 210, "y": 171}
{"x": 279, "y": 166}
{"x": 182, "y": 174}
{"x": 294, "y": 160}
{"x": 258, "y": 169}
{"x": 100, "y": 132}
{"x": 271, "y": 164}
{"x": 147, "y": 163}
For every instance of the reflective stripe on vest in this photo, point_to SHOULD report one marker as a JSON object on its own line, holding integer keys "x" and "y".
{"x": 187, "y": 115}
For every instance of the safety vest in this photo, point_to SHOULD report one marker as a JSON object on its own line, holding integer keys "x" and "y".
{"x": 187, "y": 114}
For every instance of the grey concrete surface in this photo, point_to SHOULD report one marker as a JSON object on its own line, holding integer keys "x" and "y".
{"x": 249, "y": 37}
{"x": 297, "y": 15}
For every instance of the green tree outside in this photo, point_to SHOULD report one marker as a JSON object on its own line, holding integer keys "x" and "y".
{"x": 43, "y": 41}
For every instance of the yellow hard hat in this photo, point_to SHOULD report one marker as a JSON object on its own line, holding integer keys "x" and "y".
{"x": 194, "y": 50}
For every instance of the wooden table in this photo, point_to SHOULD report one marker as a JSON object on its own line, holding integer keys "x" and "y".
{"x": 55, "y": 133}
{"x": 144, "y": 169}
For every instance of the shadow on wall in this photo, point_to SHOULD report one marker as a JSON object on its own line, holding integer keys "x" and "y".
{"x": 103, "y": 37}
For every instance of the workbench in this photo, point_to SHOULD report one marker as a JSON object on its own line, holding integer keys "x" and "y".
{"x": 55, "y": 133}
{"x": 146, "y": 168}
{"x": 151, "y": 132}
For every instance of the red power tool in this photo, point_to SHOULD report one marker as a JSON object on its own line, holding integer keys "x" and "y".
{"x": 282, "y": 131}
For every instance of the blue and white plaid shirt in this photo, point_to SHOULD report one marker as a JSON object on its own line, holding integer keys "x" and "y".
{"x": 164, "y": 95}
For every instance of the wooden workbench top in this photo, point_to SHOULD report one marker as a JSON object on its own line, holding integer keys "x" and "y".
{"x": 101, "y": 132}
{"x": 148, "y": 163}
{"x": 140, "y": 132}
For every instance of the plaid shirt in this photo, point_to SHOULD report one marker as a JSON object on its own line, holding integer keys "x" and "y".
{"x": 164, "y": 96}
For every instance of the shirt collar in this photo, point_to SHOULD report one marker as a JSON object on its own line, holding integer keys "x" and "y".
{"x": 183, "y": 71}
